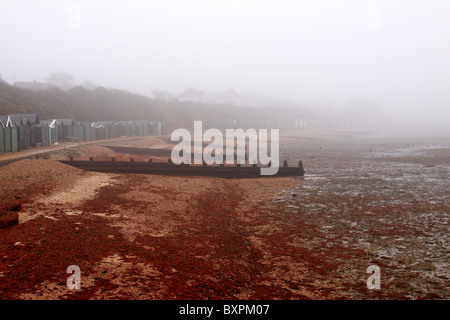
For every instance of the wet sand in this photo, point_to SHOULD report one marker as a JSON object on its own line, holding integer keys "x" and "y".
{"x": 388, "y": 197}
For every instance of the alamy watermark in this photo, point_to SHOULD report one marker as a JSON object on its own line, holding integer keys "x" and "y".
{"x": 260, "y": 148}
{"x": 73, "y": 21}
{"x": 374, "y": 281}
{"x": 74, "y": 281}
{"x": 373, "y": 21}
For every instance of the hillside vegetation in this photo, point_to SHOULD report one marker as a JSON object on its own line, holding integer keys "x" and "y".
{"x": 116, "y": 105}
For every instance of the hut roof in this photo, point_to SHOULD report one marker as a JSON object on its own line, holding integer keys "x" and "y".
{"x": 20, "y": 119}
{"x": 7, "y": 121}
{"x": 65, "y": 122}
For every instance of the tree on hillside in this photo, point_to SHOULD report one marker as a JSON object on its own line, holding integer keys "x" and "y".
{"x": 62, "y": 80}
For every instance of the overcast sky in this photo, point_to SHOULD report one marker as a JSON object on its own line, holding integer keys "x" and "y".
{"x": 394, "y": 52}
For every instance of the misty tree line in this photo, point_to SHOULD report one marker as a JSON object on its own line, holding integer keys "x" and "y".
{"x": 65, "y": 81}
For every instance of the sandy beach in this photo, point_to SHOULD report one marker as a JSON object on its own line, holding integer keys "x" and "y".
{"x": 366, "y": 199}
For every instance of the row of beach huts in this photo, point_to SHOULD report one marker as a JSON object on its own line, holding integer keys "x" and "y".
{"x": 24, "y": 131}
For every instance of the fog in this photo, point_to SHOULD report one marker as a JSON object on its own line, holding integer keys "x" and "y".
{"x": 393, "y": 54}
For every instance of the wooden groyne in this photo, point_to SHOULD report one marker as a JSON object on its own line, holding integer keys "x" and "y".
{"x": 171, "y": 169}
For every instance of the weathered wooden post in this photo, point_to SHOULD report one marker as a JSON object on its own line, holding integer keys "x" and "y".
{"x": 91, "y": 158}
{"x": 285, "y": 164}
{"x": 300, "y": 167}
{"x": 131, "y": 159}
{"x": 113, "y": 159}
{"x": 150, "y": 160}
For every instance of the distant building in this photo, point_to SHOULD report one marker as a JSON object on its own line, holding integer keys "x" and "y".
{"x": 162, "y": 95}
{"x": 231, "y": 97}
{"x": 3, "y": 81}
{"x": 35, "y": 85}
{"x": 190, "y": 94}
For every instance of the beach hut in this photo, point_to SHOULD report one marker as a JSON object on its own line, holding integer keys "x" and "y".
{"x": 42, "y": 134}
{"x": 6, "y": 140}
{"x": 132, "y": 125}
{"x": 14, "y": 135}
{"x": 84, "y": 131}
{"x": 108, "y": 128}
{"x": 51, "y": 136}
{"x": 81, "y": 132}
{"x": 140, "y": 126}
{"x": 66, "y": 128}
{"x": 86, "y": 127}
{"x": 155, "y": 128}
{"x": 152, "y": 128}
{"x": 26, "y": 124}
{"x": 24, "y": 129}
{"x": 34, "y": 121}
{"x": 145, "y": 124}
{"x": 2, "y": 138}
{"x": 126, "y": 128}
{"x": 10, "y": 134}
{"x": 98, "y": 131}
{"x": 116, "y": 132}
